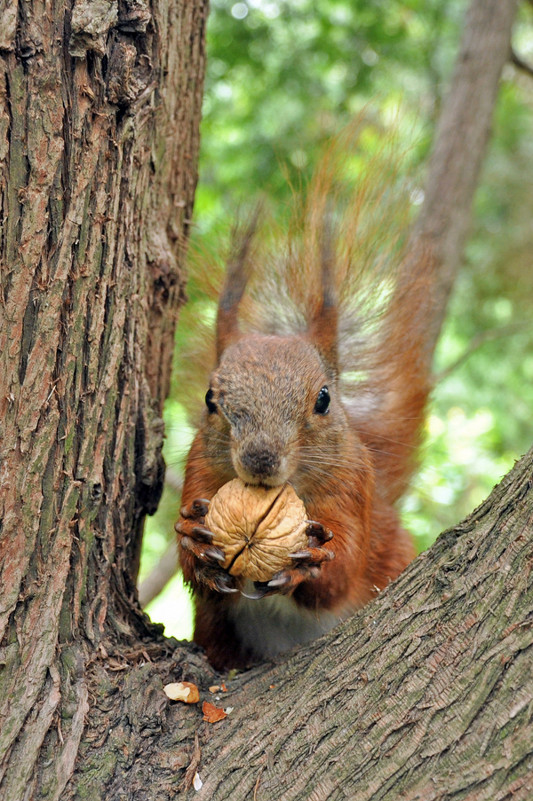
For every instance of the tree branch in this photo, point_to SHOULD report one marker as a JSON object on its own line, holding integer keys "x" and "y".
{"x": 478, "y": 341}
{"x": 459, "y": 147}
{"x": 520, "y": 63}
{"x": 423, "y": 695}
{"x": 158, "y": 578}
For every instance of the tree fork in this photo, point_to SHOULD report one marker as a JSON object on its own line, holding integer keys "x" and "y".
{"x": 98, "y": 146}
{"x": 424, "y": 694}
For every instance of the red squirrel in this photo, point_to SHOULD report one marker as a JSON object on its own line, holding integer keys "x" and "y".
{"x": 333, "y": 408}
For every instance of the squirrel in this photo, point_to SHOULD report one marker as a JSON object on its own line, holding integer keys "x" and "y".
{"x": 325, "y": 389}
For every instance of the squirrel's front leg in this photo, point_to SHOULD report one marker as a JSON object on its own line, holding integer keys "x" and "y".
{"x": 200, "y": 559}
{"x": 306, "y": 564}
{"x": 371, "y": 549}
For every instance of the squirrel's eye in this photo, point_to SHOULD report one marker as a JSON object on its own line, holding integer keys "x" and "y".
{"x": 209, "y": 402}
{"x": 322, "y": 401}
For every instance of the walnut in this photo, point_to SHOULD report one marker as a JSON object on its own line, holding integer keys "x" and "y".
{"x": 257, "y": 527}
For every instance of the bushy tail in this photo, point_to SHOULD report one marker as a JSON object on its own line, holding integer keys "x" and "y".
{"x": 344, "y": 272}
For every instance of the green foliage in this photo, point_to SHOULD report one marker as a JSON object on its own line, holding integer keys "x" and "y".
{"x": 480, "y": 420}
{"x": 283, "y": 77}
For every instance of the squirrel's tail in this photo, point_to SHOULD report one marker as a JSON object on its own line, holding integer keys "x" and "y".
{"x": 346, "y": 275}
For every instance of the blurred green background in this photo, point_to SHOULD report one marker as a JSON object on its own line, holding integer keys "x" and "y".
{"x": 284, "y": 76}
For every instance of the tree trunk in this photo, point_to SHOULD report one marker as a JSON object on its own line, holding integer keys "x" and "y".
{"x": 423, "y": 694}
{"x": 460, "y": 141}
{"x": 99, "y": 117}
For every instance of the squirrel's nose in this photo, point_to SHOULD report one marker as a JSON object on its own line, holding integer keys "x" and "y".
{"x": 260, "y": 461}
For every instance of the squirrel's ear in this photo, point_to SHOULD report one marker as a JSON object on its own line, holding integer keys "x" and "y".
{"x": 237, "y": 274}
{"x": 323, "y": 324}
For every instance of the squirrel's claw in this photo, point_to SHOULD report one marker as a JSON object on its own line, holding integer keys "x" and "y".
{"x": 287, "y": 581}
{"x": 280, "y": 580}
{"x": 264, "y": 588}
{"x": 307, "y": 567}
{"x": 261, "y": 590}
{"x": 202, "y": 534}
{"x": 214, "y": 578}
{"x": 317, "y": 533}
{"x": 300, "y": 554}
{"x": 215, "y": 553}
{"x": 223, "y": 583}
{"x": 207, "y": 555}
{"x": 196, "y": 509}
{"x": 312, "y": 557}
{"x": 204, "y": 558}
{"x": 283, "y": 582}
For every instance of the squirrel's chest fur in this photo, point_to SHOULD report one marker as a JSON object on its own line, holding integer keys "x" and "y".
{"x": 276, "y": 624}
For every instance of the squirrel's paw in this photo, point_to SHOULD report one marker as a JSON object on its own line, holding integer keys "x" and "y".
{"x": 306, "y": 565}
{"x": 195, "y": 540}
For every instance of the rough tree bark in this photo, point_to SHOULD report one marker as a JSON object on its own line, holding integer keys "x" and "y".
{"x": 99, "y": 117}
{"x": 425, "y": 693}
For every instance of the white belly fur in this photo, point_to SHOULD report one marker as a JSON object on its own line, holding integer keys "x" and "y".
{"x": 276, "y": 624}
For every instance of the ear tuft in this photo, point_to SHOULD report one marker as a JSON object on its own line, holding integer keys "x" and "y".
{"x": 237, "y": 274}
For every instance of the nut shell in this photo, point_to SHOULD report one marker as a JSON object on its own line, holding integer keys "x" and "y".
{"x": 257, "y": 528}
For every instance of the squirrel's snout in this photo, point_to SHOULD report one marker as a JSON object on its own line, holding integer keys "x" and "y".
{"x": 260, "y": 460}
{"x": 258, "y": 463}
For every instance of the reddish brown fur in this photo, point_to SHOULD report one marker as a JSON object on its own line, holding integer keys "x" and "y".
{"x": 370, "y": 548}
{"x": 350, "y": 465}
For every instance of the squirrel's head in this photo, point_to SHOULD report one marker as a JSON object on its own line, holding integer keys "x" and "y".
{"x": 271, "y": 401}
